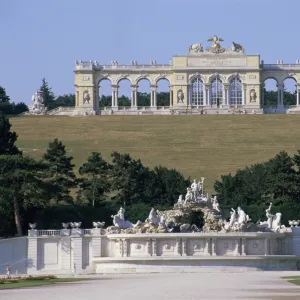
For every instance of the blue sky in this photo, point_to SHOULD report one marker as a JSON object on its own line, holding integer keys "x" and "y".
{"x": 42, "y": 38}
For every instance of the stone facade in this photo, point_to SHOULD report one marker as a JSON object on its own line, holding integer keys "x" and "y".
{"x": 84, "y": 251}
{"x": 212, "y": 81}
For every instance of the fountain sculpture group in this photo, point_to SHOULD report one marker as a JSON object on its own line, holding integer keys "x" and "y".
{"x": 195, "y": 201}
{"x": 193, "y": 235}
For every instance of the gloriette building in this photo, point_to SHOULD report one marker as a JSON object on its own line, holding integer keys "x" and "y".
{"x": 212, "y": 80}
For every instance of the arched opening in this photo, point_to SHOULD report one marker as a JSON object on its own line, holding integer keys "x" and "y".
{"x": 124, "y": 92}
{"x": 235, "y": 92}
{"x": 143, "y": 92}
{"x": 216, "y": 92}
{"x": 104, "y": 93}
{"x": 197, "y": 92}
{"x": 290, "y": 91}
{"x": 270, "y": 93}
{"x": 163, "y": 92}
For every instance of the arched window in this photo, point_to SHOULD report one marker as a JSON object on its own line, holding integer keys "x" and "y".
{"x": 236, "y": 92}
{"x": 197, "y": 92}
{"x": 216, "y": 92}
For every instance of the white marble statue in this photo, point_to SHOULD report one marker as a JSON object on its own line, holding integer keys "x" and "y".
{"x": 215, "y": 204}
{"x": 38, "y": 106}
{"x": 273, "y": 221}
{"x": 196, "y": 48}
{"x": 189, "y": 196}
{"x": 242, "y": 217}
{"x": 120, "y": 222}
{"x": 195, "y": 187}
{"x": 86, "y": 97}
{"x": 179, "y": 202}
{"x": 153, "y": 217}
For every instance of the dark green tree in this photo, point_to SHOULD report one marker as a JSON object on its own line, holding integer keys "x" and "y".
{"x": 143, "y": 99}
{"x": 272, "y": 181}
{"x": 167, "y": 185}
{"x": 65, "y": 100}
{"x": 124, "y": 101}
{"x": 163, "y": 99}
{"x": 131, "y": 181}
{"x": 105, "y": 101}
{"x": 48, "y": 95}
{"x": 8, "y": 138}
{"x": 22, "y": 185}
{"x": 60, "y": 172}
{"x": 95, "y": 182}
{"x": 4, "y": 98}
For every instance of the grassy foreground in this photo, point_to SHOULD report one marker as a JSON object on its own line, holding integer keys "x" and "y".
{"x": 201, "y": 145}
{"x": 36, "y": 283}
{"x": 293, "y": 279}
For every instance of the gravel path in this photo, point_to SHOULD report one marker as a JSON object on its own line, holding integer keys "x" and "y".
{"x": 185, "y": 286}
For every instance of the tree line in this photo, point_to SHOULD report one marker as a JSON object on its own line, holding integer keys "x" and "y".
{"x": 49, "y": 191}
{"x": 30, "y": 188}
{"x": 163, "y": 99}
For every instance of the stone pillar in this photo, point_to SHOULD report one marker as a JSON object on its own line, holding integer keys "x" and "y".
{"x": 154, "y": 243}
{"x": 263, "y": 95}
{"x": 243, "y": 246}
{"x": 32, "y": 252}
{"x": 114, "y": 98}
{"x": 244, "y": 95}
{"x": 267, "y": 246}
{"x": 96, "y": 242}
{"x": 213, "y": 246}
{"x": 171, "y": 96}
{"x": 153, "y": 102}
{"x": 280, "y": 95}
{"x": 298, "y": 90}
{"x": 226, "y": 94}
{"x": 65, "y": 250}
{"x": 184, "y": 247}
{"x": 296, "y": 240}
{"x": 134, "y": 96}
{"x": 76, "y": 242}
{"x": 207, "y": 94}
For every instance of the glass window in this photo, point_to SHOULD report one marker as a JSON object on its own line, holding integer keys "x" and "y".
{"x": 236, "y": 92}
{"x": 216, "y": 92}
{"x": 197, "y": 92}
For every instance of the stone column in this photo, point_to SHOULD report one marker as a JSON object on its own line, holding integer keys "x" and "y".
{"x": 76, "y": 242}
{"x": 267, "y": 246}
{"x": 244, "y": 95}
{"x": 226, "y": 94}
{"x": 171, "y": 96}
{"x": 263, "y": 95}
{"x": 65, "y": 250}
{"x": 114, "y": 98}
{"x": 154, "y": 244}
{"x": 243, "y": 246}
{"x": 296, "y": 240}
{"x": 298, "y": 90}
{"x": 184, "y": 247}
{"x": 213, "y": 246}
{"x": 134, "y": 96}
{"x": 207, "y": 94}
{"x": 279, "y": 95}
{"x": 96, "y": 242}
{"x": 32, "y": 252}
{"x": 153, "y": 102}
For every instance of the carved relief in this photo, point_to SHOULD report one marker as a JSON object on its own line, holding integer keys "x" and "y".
{"x": 195, "y": 48}
{"x": 180, "y": 96}
{"x": 253, "y": 96}
{"x": 86, "y": 97}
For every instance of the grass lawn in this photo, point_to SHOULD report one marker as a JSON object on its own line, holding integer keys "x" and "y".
{"x": 201, "y": 145}
{"x": 293, "y": 279}
{"x": 35, "y": 283}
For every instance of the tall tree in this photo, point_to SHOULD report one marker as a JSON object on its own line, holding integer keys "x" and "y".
{"x": 47, "y": 94}
{"x": 96, "y": 184}
{"x": 8, "y": 138}
{"x": 22, "y": 185}
{"x": 60, "y": 174}
{"x": 3, "y": 97}
{"x": 130, "y": 179}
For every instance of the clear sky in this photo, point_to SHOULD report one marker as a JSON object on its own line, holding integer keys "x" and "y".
{"x": 42, "y": 38}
